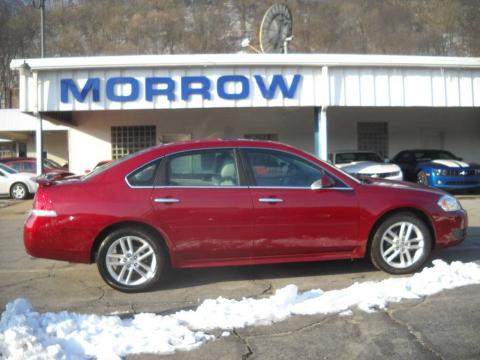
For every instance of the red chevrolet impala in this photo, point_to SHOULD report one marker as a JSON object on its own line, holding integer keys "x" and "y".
{"x": 234, "y": 202}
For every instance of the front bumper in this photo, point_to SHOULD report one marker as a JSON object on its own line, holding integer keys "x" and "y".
{"x": 454, "y": 182}
{"x": 450, "y": 228}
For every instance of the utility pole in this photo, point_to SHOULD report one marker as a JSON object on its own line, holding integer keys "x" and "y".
{"x": 40, "y": 4}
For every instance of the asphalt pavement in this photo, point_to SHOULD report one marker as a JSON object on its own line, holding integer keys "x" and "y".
{"x": 443, "y": 326}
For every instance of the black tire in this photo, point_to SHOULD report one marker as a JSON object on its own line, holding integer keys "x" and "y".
{"x": 422, "y": 178}
{"x": 380, "y": 248}
{"x": 19, "y": 191}
{"x": 138, "y": 238}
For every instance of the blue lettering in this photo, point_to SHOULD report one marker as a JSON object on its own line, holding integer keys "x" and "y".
{"x": 112, "y": 82}
{"x": 187, "y": 90}
{"x": 92, "y": 85}
{"x": 150, "y": 91}
{"x": 278, "y": 82}
{"x": 190, "y": 85}
{"x": 243, "y": 94}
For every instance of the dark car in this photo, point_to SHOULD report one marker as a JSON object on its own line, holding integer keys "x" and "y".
{"x": 234, "y": 202}
{"x": 438, "y": 168}
{"x": 29, "y": 164}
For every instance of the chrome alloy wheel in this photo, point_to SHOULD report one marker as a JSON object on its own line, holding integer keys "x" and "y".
{"x": 422, "y": 178}
{"x": 402, "y": 245}
{"x": 131, "y": 261}
{"x": 19, "y": 191}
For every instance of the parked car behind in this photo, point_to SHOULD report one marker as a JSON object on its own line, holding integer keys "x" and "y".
{"x": 234, "y": 202}
{"x": 17, "y": 185}
{"x": 29, "y": 165}
{"x": 365, "y": 163}
{"x": 438, "y": 168}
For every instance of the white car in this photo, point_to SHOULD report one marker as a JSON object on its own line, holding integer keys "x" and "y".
{"x": 18, "y": 185}
{"x": 365, "y": 163}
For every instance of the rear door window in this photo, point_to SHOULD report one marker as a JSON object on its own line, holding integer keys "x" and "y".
{"x": 203, "y": 168}
{"x": 144, "y": 176}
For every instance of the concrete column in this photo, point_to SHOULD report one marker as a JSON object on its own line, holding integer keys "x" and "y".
{"x": 321, "y": 145}
{"x": 39, "y": 144}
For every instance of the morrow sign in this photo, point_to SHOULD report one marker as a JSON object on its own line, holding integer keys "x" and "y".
{"x": 228, "y": 87}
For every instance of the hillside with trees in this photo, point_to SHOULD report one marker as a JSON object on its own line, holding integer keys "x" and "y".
{"x": 119, "y": 27}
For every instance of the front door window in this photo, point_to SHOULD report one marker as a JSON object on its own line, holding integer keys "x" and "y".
{"x": 278, "y": 169}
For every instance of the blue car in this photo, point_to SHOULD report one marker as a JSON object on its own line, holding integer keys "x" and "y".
{"x": 438, "y": 168}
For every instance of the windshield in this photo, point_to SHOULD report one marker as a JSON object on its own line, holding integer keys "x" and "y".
{"x": 434, "y": 155}
{"x": 8, "y": 169}
{"x": 345, "y": 158}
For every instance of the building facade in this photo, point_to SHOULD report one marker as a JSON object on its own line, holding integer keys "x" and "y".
{"x": 113, "y": 106}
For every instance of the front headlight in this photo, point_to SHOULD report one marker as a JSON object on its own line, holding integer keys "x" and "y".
{"x": 449, "y": 203}
{"x": 440, "y": 172}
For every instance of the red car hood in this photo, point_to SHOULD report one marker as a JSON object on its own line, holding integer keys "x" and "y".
{"x": 402, "y": 185}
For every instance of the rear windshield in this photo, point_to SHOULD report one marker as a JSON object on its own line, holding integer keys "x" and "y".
{"x": 104, "y": 167}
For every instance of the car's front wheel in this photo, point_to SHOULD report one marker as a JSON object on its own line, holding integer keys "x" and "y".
{"x": 19, "y": 191}
{"x": 131, "y": 260}
{"x": 401, "y": 244}
{"x": 422, "y": 178}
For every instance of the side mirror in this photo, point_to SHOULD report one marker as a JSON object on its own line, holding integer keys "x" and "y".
{"x": 324, "y": 182}
{"x": 459, "y": 159}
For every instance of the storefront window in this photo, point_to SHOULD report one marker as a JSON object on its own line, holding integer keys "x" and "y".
{"x": 129, "y": 139}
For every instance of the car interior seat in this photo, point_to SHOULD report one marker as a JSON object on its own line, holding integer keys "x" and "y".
{"x": 226, "y": 174}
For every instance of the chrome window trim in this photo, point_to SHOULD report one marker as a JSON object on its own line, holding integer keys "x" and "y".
{"x": 177, "y": 186}
{"x": 346, "y": 188}
{"x": 138, "y": 168}
{"x": 200, "y": 187}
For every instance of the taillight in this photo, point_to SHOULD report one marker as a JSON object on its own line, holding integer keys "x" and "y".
{"x": 44, "y": 213}
{"x": 42, "y": 205}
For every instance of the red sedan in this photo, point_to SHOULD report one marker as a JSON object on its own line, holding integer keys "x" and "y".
{"x": 234, "y": 202}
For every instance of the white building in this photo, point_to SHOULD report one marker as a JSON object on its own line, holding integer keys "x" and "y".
{"x": 17, "y": 136}
{"x": 321, "y": 103}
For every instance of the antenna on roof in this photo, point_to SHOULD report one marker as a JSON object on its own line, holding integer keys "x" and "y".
{"x": 275, "y": 31}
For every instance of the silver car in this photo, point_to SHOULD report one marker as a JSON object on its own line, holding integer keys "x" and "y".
{"x": 18, "y": 185}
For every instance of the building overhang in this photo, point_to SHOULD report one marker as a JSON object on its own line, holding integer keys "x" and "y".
{"x": 58, "y": 87}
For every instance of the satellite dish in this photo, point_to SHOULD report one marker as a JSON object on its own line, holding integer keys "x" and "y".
{"x": 276, "y": 29}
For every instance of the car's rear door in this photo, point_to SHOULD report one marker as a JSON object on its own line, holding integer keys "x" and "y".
{"x": 203, "y": 206}
{"x": 291, "y": 219}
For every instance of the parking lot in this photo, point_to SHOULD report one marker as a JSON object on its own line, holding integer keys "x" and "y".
{"x": 443, "y": 326}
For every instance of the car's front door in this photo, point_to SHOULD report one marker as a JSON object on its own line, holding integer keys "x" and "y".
{"x": 291, "y": 219}
{"x": 203, "y": 206}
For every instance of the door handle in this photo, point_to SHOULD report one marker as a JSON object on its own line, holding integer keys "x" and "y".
{"x": 270, "y": 200}
{"x": 166, "y": 200}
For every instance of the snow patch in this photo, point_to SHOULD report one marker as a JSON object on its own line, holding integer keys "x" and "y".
{"x": 25, "y": 333}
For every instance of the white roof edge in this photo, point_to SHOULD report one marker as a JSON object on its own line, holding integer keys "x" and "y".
{"x": 206, "y": 60}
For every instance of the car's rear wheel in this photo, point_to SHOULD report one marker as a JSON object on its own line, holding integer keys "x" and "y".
{"x": 422, "y": 178}
{"x": 19, "y": 191}
{"x": 401, "y": 244}
{"x": 131, "y": 259}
